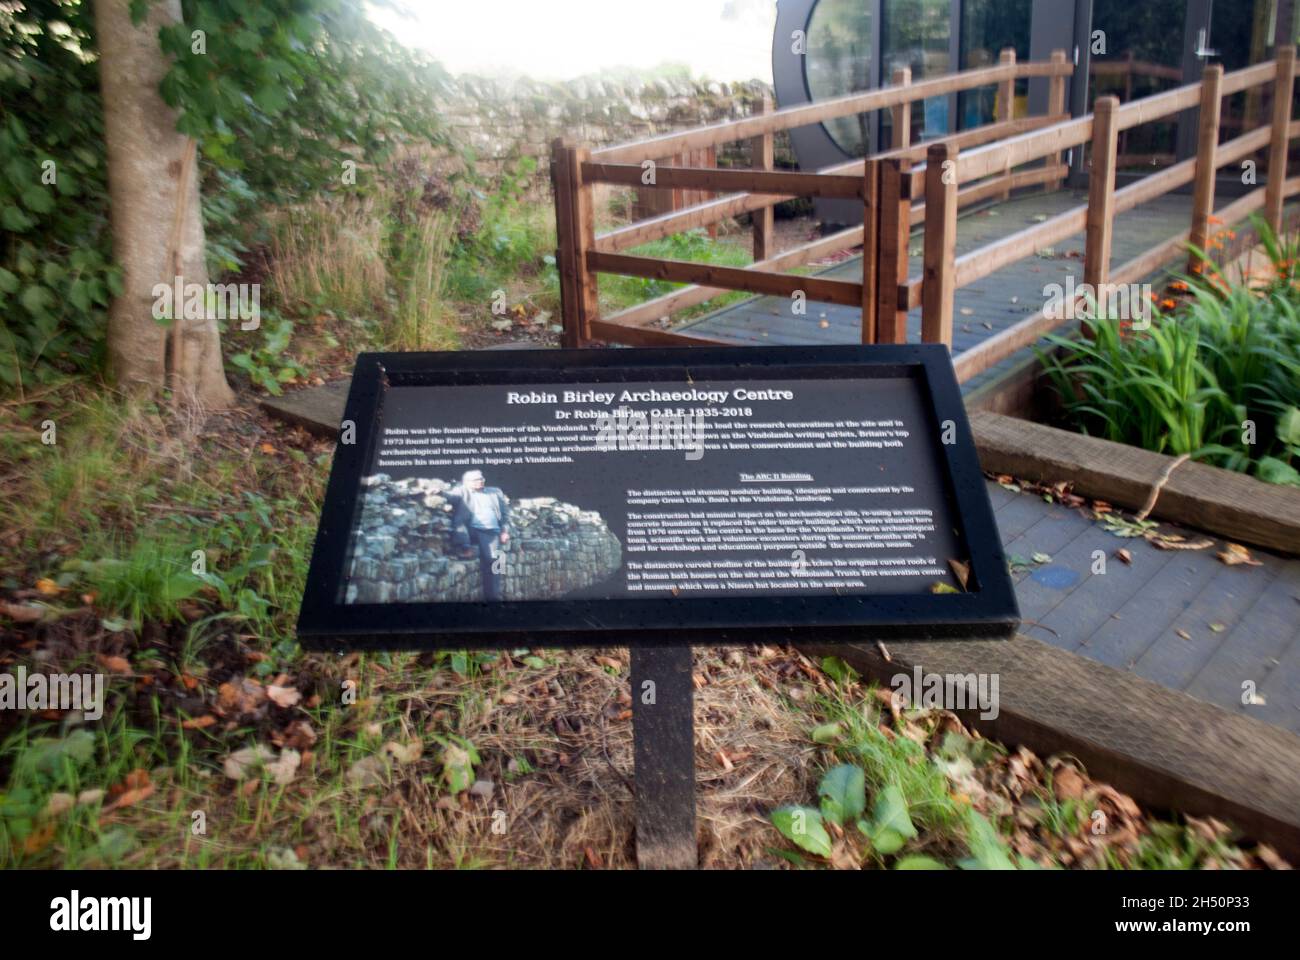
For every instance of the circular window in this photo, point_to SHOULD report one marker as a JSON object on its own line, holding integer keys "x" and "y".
{"x": 838, "y": 61}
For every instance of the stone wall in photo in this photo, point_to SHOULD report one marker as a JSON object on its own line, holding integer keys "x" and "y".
{"x": 403, "y": 551}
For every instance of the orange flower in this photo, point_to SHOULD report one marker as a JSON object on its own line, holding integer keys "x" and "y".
{"x": 1178, "y": 285}
{"x": 1168, "y": 304}
{"x": 1214, "y": 219}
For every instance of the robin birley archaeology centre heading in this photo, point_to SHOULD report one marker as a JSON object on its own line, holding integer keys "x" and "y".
{"x": 650, "y": 489}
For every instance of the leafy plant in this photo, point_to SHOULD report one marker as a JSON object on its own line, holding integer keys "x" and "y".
{"x": 1217, "y": 379}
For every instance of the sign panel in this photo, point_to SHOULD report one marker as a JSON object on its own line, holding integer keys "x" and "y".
{"x": 602, "y": 497}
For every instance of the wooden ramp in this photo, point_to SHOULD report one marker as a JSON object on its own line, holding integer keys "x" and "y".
{"x": 983, "y": 308}
{"x": 1179, "y": 618}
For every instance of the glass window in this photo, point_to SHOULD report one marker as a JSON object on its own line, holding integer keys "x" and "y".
{"x": 987, "y": 28}
{"x": 838, "y": 61}
{"x": 1139, "y": 52}
{"x": 916, "y": 34}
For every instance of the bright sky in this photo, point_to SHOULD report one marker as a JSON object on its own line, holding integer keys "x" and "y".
{"x": 560, "y": 39}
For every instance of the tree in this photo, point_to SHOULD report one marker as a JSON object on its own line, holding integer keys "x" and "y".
{"x": 147, "y": 160}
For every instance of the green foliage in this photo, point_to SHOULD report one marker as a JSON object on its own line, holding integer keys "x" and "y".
{"x": 56, "y": 276}
{"x": 1190, "y": 383}
{"x": 803, "y": 827}
{"x": 843, "y": 793}
{"x": 514, "y": 237}
{"x": 288, "y": 100}
{"x": 890, "y": 827}
{"x": 266, "y": 363}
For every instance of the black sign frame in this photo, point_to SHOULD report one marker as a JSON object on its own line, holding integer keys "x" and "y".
{"x": 988, "y": 610}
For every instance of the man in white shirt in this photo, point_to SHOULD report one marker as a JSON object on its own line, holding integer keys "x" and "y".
{"x": 479, "y": 522}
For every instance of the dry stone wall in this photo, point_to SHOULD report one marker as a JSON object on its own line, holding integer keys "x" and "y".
{"x": 404, "y": 552}
{"x": 502, "y": 120}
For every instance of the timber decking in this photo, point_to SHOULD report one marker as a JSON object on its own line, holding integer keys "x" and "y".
{"x": 982, "y": 308}
{"x": 1180, "y": 618}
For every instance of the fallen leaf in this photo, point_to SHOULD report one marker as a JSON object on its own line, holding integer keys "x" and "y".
{"x": 1124, "y": 555}
{"x": 1178, "y": 543}
{"x": 128, "y": 798}
{"x": 368, "y": 771}
{"x": 198, "y": 723}
{"x": 267, "y": 448}
{"x": 961, "y": 571}
{"x": 57, "y": 805}
{"x": 1234, "y": 554}
{"x": 242, "y": 763}
{"x": 283, "y": 696}
{"x": 404, "y": 753}
{"x": 239, "y": 696}
{"x": 284, "y": 768}
{"x": 21, "y": 612}
{"x": 39, "y": 839}
{"x": 1184, "y": 634}
{"x": 48, "y": 587}
{"x": 115, "y": 664}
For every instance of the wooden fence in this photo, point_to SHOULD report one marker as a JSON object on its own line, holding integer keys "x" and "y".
{"x": 900, "y": 188}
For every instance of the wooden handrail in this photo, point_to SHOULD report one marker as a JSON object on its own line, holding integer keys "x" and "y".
{"x": 970, "y": 363}
{"x": 654, "y": 310}
{"x": 713, "y": 211}
{"x": 670, "y": 144}
{"x": 843, "y": 292}
{"x": 779, "y": 182}
{"x": 1015, "y": 151}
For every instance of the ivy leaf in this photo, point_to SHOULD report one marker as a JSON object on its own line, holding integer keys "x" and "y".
{"x": 919, "y": 862}
{"x": 1288, "y": 426}
{"x": 1273, "y": 470}
{"x": 36, "y": 299}
{"x": 844, "y": 793}
{"x": 891, "y": 826}
{"x": 803, "y": 827}
{"x": 987, "y": 849}
{"x": 38, "y": 200}
{"x": 14, "y": 220}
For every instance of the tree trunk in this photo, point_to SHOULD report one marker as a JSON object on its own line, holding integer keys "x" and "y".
{"x": 145, "y": 164}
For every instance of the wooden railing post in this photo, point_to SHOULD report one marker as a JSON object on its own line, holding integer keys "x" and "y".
{"x": 763, "y": 157}
{"x": 937, "y": 288}
{"x": 1282, "y": 89}
{"x": 901, "y": 114}
{"x": 575, "y": 234}
{"x": 1207, "y": 144}
{"x": 1055, "y": 107}
{"x": 870, "y": 248}
{"x": 1007, "y": 98}
{"x": 1101, "y": 199}
{"x": 892, "y": 238}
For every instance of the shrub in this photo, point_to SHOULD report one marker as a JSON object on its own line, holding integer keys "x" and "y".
{"x": 1217, "y": 379}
